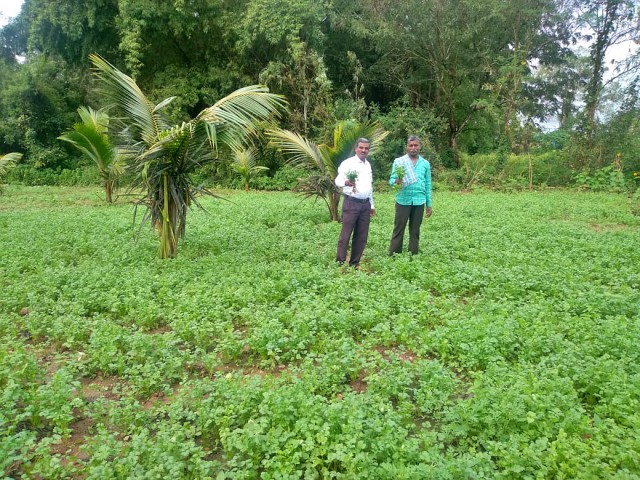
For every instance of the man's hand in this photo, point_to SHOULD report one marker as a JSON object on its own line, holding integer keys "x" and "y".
{"x": 348, "y": 183}
{"x": 427, "y": 212}
{"x": 373, "y": 212}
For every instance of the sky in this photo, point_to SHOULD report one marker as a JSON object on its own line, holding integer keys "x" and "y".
{"x": 8, "y": 10}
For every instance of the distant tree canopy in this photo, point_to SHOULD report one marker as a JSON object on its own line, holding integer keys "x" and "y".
{"x": 470, "y": 77}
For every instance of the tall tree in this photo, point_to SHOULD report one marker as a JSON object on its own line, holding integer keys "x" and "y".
{"x": 37, "y": 102}
{"x": 303, "y": 78}
{"x": 606, "y": 23}
{"x": 457, "y": 57}
{"x": 71, "y": 30}
{"x": 282, "y": 43}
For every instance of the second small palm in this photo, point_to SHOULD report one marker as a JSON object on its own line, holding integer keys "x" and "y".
{"x": 244, "y": 164}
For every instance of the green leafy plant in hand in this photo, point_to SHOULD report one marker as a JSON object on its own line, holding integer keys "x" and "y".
{"x": 400, "y": 172}
{"x": 352, "y": 176}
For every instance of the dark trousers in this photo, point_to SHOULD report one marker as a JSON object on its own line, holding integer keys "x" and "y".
{"x": 404, "y": 213}
{"x": 356, "y": 216}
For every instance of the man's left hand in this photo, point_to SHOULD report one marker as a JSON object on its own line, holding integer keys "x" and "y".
{"x": 427, "y": 212}
{"x": 373, "y": 212}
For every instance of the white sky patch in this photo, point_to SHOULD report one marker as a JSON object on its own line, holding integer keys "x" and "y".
{"x": 617, "y": 53}
{"x": 8, "y": 10}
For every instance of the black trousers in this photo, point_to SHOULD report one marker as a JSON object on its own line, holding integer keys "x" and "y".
{"x": 413, "y": 214}
{"x": 356, "y": 216}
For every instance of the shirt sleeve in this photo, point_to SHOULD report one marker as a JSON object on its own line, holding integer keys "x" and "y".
{"x": 394, "y": 175}
{"x": 427, "y": 183}
{"x": 341, "y": 178}
{"x": 371, "y": 194}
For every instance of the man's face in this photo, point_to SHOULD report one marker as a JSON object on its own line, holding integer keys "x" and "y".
{"x": 362, "y": 150}
{"x": 413, "y": 148}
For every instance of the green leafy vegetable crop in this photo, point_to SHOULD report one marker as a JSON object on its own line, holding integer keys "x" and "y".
{"x": 508, "y": 348}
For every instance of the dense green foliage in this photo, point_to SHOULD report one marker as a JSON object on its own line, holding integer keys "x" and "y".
{"x": 469, "y": 78}
{"x": 507, "y": 349}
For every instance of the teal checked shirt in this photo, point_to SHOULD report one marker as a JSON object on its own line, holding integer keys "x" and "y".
{"x": 418, "y": 193}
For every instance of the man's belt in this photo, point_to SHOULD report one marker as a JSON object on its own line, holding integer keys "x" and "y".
{"x": 358, "y": 200}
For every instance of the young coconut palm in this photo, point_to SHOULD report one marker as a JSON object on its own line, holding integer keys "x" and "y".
{"x": 323, "y": 160}
{"x": 90, "y": 137}
{"x": 7, "y": 162}
{"x": 244, "y": 164}
{"x": 163, "y": 157}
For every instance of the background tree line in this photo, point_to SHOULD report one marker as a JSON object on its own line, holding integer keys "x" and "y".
{"x": 477, "y": 80}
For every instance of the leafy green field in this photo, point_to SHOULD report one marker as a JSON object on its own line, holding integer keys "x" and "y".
{"x": 508, "y": 349}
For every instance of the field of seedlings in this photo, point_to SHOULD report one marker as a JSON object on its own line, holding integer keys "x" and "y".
{"x": 509, "y": 348}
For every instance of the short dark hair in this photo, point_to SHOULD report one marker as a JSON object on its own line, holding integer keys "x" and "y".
{"x": 362, "y": 140}
{"x": 414, "y": 138}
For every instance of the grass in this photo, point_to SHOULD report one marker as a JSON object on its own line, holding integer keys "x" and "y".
{"x": 507, "y": 349}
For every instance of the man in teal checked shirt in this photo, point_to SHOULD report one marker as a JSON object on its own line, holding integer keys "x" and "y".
{"x": 413, "y": 199}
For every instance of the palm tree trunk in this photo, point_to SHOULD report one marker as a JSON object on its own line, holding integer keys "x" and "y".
{"x": 167, "y": 229}
{"x": 334, "y": 203}
{"x": 108, "y": 191}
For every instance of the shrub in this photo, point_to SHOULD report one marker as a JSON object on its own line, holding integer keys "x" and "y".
{"x": 548, "y": 168}
{"x": 31, "y": 176}
{"x": 606, "y": 179}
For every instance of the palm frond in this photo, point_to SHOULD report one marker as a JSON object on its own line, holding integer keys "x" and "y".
{"x": 301, "y": 151}
{"x": 244, "y": 161}
{"x": 318, "y": 186}
{"x": 8, "y": 161}
{"x": 347, "y": 133}
{"x": 119, "y": 162}
{"x": 184, "y": 147}
{"x": 91, "y": 143}
{"x": 245, "y": 106}
{"x": 98, "y": 119}
{"x": 146, "y": 123}
{"x": 237, "y": 114}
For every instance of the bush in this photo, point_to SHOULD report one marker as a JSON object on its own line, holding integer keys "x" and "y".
{"x": 549, "y": 168}
{"x": 448, "y": 179}
{"x": 284, "y": 179}
{"x": 606, "y": 179}
{"x": 31, "y": 176}
{"x": 512, "y": 173}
